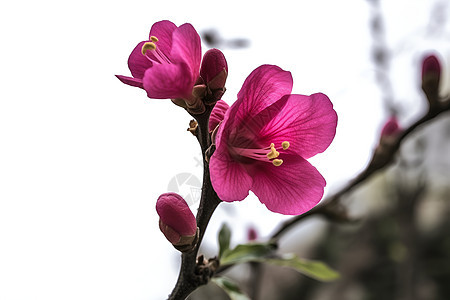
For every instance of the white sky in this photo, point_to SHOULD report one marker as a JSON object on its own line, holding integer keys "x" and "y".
{"x": 83, "y": 157}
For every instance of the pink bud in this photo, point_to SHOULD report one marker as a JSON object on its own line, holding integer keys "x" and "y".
{"x": 252, "y": 234}
{"x": 431, "y": 75}
{"x": 214, "y": 72}
{"x": 431, "y": 67}
{"x": 177, "y": 222}
{"x": 213, "y": 64}
{"x": 391, "y": 128}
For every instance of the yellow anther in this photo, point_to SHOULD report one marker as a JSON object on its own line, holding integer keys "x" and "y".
{"x": 277, "y": 162}
{"x": 148, "y": 46}
{"x": 273, "y": 152}
{"x": 154, "y": 39}
{"x": 285, "y": 145}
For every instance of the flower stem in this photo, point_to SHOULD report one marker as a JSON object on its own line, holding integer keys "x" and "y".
{"x": 190, "y": 277}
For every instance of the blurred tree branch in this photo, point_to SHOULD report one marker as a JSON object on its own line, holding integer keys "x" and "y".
{"x": 330, "y": 207}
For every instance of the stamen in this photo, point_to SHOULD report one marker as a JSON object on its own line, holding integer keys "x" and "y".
{"x": 148, "y": 46}
{"x": 158, "y": 55}
{"x": 277, "y": 162}
{"x": 268, "y": 154}
{"x": 273, "y": 152}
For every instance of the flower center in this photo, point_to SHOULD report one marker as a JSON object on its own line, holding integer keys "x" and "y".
{"x": 153, "y": 53}
{"x": 268, "y": 154}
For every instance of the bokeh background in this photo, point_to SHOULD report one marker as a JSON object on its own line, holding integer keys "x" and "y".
{"x": 83, "y": 157}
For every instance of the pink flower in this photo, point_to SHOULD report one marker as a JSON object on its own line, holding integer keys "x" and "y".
{"x": 177, "y": 222}
{"x": 264, "y": 141}
{"x": 167, "y": 65}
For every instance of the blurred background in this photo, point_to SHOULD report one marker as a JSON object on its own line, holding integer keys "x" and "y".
{"x": 83, "y": 157}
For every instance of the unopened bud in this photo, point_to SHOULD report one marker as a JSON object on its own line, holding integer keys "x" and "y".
{"x": 431, "y": 67}
{"x": 214, "y": 72}
{"x": 213, "y": 63}
{"x": 431, "y": 75}
{"x": 193, "y": 127}
{"x": 252, "y": 234}
{"x": 177, "y": 222}
{"x": 388, "y": 138}
{"x": 391, "y": 128}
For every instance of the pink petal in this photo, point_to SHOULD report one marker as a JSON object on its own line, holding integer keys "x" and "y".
{"x": 168, "y": 81}
{"x": 264, "y": 86}
{"x": 308, "y": 123}
{"x": 217, "y": 114}
{"x": 290, "y": 189}
{"x": 131, "y": 81}
{"x": 138, "y": 63}
{"x": 186, "y": 47}
{"x": 229, "y": 179}
{"x": 163, "y": 30}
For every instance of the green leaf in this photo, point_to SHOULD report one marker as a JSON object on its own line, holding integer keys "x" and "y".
{"x": 314, "y": 269}
{"x": 224, "y": 239}
{"x": 231, "y": 288}
{"x": 246, "y": 253}
{"x": 264, "y": 253}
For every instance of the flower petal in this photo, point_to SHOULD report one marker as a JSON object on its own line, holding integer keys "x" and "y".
{"x": 308, "y": 123}
{"x": 138, "y": 63}
{"x": 186, "y": 47}
{"x": 290, "y": 189}
{"x": 168, "y": 81}
{"x": 131, "y": 81}
{"x": 264, "y": 86}
{"x": 229, "y": 179}
{"x": 163, "y": 30}
{"x": 217, "y": 114}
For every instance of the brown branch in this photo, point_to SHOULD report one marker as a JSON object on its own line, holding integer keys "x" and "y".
{"x": 331, "y": 207}
{"x": 193, "y": 272}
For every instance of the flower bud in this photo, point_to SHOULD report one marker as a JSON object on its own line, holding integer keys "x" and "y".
{"x": 388, "y": 138}
{"x": 431, "y": 75}
{"x": 214, "y": 72}
{"x": 213, "y": 64}
{"x": 391, "y": 128}
{"x": 252, "y": 235}
{"x": 431, "y": 68}
{"x": 177, "y": 222}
